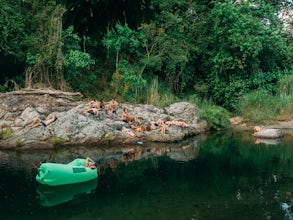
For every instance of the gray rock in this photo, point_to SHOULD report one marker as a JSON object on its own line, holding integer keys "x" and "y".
{"x": 73, "y": 127}
{"x": 26, "y": 117}
{"x": 184, "y": 111}
{"x": 5, "y": 124}
{"x": 269, "y": 133}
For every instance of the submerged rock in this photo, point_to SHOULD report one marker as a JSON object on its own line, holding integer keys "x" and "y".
{"x": 72, "y": 127}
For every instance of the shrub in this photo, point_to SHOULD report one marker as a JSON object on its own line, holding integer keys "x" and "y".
{"x": 216, "y": 116}
{"x": 195, "y": 99}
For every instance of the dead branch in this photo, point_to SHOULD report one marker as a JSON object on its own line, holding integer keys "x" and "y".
{"x": 46, "y": 91}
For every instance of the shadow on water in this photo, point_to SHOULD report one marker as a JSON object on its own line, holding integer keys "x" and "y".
{"x": 222, "y": 176}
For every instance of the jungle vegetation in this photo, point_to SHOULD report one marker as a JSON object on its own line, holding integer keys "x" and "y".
{"x": 227, "y": 56}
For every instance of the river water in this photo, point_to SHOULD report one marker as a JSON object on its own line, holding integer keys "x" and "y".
{"x": 219, "y": 176}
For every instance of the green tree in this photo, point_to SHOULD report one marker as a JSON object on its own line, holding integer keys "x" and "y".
{"x": 54, "y": 56}
{"x": 12, "y": 29}
{"x": 76, "y": 63}
{"x": 45, "y": 58}
{"x": 126, "y": 45}
{"x": 175, "y": 43}
{"x": 243, "y": 38}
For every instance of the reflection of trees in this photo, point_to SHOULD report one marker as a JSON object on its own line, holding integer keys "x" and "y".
{"x": 14, "y": 165}
{"x": 261, "y": 173}
{"x": 236, "y": 154}
{"x": 228, "y": 173}
{"x": 228, "y": 166}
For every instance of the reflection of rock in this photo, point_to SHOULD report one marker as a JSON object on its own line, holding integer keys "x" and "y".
{"x": 267, "y": 141}
{"x": 270, "y": 133}
{"x": 184, "y": 153}
{"x": 54, "y": 195}
{"x": 181, "y": 152}
{"x": 287, "y": 209}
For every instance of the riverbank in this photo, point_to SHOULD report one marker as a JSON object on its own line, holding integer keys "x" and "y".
{"x": 286, "y": 126}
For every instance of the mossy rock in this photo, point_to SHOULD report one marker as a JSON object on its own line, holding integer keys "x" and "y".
{"x": 5, "y": 134}
{"x": 108, "y": 138}
{"x": 57, "y": 141}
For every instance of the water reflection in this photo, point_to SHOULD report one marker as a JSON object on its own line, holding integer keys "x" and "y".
{"x": 267, "y": 141}
{"x": 227, "y": 176}
{"x": 287, "y": 210}
{"x": 55, "y": 195}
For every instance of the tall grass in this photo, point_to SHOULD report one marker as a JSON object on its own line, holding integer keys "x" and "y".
{"x": 285, "y": 93}
{"x": 153, "y": 91}
{"x": 260, "y": 106}
{"x": 285, "y": 84}
{"x": 158, "y": 95}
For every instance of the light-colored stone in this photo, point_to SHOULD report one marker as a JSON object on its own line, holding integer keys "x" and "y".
{"x": 269, "y": 133}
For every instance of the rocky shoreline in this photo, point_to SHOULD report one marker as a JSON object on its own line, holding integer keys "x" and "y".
{"x": 286, "y": 126}
{"x": 19, "y": 108}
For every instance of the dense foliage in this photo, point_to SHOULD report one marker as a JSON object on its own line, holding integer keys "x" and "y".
{"x": 220, "y": 50}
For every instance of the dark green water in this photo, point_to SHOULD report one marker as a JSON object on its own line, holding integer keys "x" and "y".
{"x": 224, "y": 176}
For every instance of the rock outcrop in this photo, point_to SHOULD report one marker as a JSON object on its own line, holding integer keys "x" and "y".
{"x": 18, "y": 109}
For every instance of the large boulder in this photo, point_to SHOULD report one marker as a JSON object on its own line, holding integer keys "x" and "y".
{"x": 184, "y": 111}
{"x": 72, "y": 127}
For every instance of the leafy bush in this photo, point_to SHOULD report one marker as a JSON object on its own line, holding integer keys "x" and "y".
{"x": 195, "y": 99}
{"x": 228, "y": 93}
{"x": 264, "y": 81}
{"x": 78, "y": 63}
{"x": 216, "y": 116}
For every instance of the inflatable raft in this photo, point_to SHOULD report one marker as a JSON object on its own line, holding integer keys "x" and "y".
{"x": 54, "y": 174}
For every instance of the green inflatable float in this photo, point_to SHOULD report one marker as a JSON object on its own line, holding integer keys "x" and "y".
{"x": 54, "y": 174}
